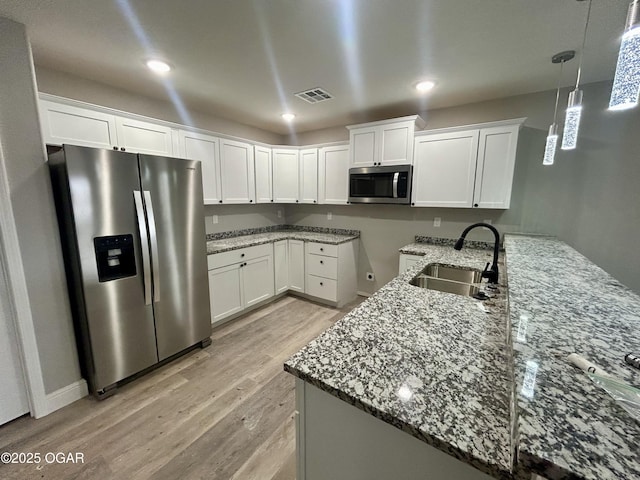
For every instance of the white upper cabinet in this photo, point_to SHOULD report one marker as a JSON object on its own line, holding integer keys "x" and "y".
{"x": 444, "y": 169}
{"x": 143, "y": 137}
{"x": 206, "y": 148}
{"x": 286, "y": 175}
{"x": 389, "y": 142}
{"x": 333, "y": 175}
{"x": 465, "y": 166}
{"x": 236, "y": 166}
{"x": 309, "y": 175}
{"x": 62, "y": 123}
{"x": 264, "y": 174}
{"x": 496, "y": 164}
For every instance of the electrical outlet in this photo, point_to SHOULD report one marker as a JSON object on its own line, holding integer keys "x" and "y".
{"x": 329, "y": 216}
{"x": 279, "y": 213}
{"x": 214, "y": 219}
{"x": 370, "y": 276}
{"x": 436, "y": 221}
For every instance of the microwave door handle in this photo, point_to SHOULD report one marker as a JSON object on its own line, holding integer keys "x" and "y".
{"x": 153, "y": 237}
{"x": 395, "y": 184}
{"x": 144, "y": 246}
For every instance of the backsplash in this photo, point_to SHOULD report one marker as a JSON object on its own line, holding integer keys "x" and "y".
{"x": 274, "y": 228}
{"x": 450, "y": 242}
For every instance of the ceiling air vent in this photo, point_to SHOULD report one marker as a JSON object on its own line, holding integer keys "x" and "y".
{"x": 314, "y": 95}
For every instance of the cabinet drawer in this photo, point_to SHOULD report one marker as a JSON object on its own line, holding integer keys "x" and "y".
{"x": 217, "y": 260}
{"x": 322, "y": 288}
{"x": 322, "y": 266}
{"x": 322, "y": 249}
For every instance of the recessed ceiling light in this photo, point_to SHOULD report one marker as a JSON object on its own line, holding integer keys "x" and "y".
{"x": 158, "y": 66}
{"x": 288, "y": 117}
{"x": 425, "y": 86}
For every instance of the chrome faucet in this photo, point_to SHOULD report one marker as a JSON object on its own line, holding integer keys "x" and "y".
{"x": 491, "y": 274}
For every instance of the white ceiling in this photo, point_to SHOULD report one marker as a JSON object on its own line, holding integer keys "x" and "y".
{"x": 245, "y": 59}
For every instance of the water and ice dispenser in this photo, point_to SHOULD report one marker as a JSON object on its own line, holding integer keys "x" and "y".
{"x": 115, "y": 257}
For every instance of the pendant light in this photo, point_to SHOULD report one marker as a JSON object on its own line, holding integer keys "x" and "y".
{"x": 552, "y": 138}
{"x": 626, "y": 83}
{"x": 574, "y": 106}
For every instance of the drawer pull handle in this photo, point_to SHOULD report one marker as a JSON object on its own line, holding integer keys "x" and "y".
{"x": 321, "y": 249}
{"x": 242, "y": 255}
{"x": 321, "y": 283}
{"x": 321, "y": 262}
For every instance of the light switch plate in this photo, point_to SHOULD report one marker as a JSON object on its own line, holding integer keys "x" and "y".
{"x": 329, "y": 216}
{"x": 436, "y": 221}
{"x": 279, "y": 213}
{"x": 214, "y": 219}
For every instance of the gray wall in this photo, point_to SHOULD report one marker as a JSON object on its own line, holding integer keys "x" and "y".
{"x": 70, "y": 86}
{"x": 589, "y": 198}
{"x": 34, "y": 214}
{"x": 239, "y": 217}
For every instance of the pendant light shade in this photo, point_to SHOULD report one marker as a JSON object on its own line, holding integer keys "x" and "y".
{"x": 574, "y": 106}
{"x": 626, "y": 83}
{"x": 550, "y": 146}
{"x": 572, "y": 120}
{"x": 552, "y": 138}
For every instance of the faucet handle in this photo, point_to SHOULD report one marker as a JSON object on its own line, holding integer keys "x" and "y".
{"x": 486, "y": 269}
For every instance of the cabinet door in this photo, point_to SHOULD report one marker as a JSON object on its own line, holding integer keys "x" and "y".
{"x": 195, "y": 146}
{"x": 144, "y": 137}
{"x": 333, "y": 175}
{"x": 496, "y": 163}
{"x": 309, "y": 175}
{"x": 225, "y": 291}
{"x": 76, "y": 126}
{"x": 263, "y": 170}
{"x": 296, "y": 265}
{"x": 236, "y": 165}
{"x": 364, "y": 148}
{"x": 286, "y": 175}
{"x": 257, "y": 278}
{"x": 396, "y": 143}
{"x": 407, "y": 261}
{"x": 444, "y": 169}
{"x": 281, "y": 265}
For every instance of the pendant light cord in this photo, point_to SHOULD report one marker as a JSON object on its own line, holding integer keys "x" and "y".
{"x": 584, "y": 41}
{"x": 555, "y": 112}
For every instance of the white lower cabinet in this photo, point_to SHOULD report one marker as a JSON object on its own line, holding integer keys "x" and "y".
{"x": 331, "y": 271}
{"x": 239, "y": 279}
{"x": 407, "y": 261}
{"x": 281, "y": 265}
{"x": 296, "y": 265}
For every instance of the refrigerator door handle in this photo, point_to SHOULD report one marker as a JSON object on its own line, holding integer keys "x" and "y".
{"x": 153, "y": 237}
{"x": 144, "y": 246}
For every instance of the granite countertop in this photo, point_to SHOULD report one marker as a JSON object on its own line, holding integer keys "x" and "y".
{"x": 335, "y": 237}
{"x": 453, "y": 357}
{"x": 561, "y": 303}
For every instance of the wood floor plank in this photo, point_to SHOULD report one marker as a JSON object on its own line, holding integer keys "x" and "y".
{"x": 224, "y": 412}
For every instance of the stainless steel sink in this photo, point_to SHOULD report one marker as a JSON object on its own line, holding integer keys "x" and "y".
{"x": 457, "y": 274}
{"x": 457, "y": 280}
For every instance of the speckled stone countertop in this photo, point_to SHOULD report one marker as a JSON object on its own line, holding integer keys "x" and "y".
{"x": 454, "y": 358}
{"x": 233, "y": 243}
{"x": 561, "y": 303}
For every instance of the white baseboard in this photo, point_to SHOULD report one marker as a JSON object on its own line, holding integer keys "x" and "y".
{"x": 364, "y": 294}
{"x": 66, "y": 395}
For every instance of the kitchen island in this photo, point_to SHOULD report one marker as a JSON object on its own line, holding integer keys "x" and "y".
{"x": 447, "y": 374}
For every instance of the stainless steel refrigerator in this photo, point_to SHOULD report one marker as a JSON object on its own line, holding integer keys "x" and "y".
{"x": 132, "y": 229}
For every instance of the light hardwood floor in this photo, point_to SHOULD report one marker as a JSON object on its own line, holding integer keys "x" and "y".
{"x": 225, "y": 412}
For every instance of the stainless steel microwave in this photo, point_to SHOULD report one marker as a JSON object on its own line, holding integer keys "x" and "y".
{"x": 380, "y": 184}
